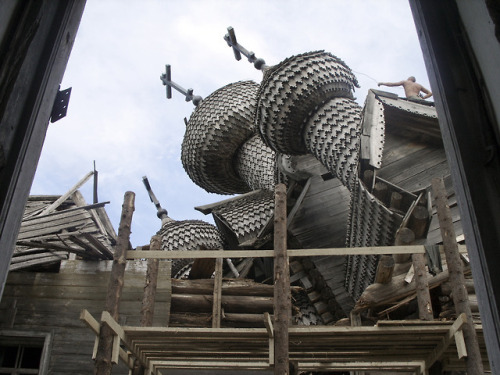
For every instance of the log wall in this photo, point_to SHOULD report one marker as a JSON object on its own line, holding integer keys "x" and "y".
{"x": 51, "y": 302}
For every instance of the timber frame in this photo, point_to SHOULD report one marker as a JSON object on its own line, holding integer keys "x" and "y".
{"x": 318, "y": 348}
{"x": 384, "y": 347}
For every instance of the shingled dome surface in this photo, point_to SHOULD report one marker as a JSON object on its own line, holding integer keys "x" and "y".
{"x": 189, "y": 235}
{"x": 292, "y": 90}
{"x": 217, "y": 128}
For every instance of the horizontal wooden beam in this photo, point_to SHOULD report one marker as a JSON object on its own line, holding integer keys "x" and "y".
{"x": 197, "y": 254}
{"x": 418, "y": 366}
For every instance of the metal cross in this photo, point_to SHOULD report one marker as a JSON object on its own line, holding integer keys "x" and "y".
{"x": 167, "y": 81}
{"x": 161, "y": 212}
{"x": 238, "y": 49}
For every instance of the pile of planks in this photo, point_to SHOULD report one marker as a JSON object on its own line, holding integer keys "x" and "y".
{"x": 53, "y": 227}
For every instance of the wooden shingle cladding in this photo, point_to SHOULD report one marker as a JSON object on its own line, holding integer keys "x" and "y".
{"x": 52, "y": 302}
{"x": 74, "y": 227}
{"x": 401, "y": 143}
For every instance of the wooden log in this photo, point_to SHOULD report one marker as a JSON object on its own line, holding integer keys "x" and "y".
{"x": 404, "y": 237}
{"x": 202, "y": 268}
{"x": 148, "y": 301}
{"x": 230, "y": 287}
{"x": 231, "y": 304}
{"x": 282, "y": 298}
{"x": 419, "y": 221}
{"x": 376, "y": 295}
{"x": 385, "y": 268}
{"x": 380, "y": 191}
{"x": 422, "y": 288}
{"x": 473, "y": 360}
{"x": 368, "y": 179}
{"x": 103, "y": 364}
{"x": 402, "y": 268}
{"x": 396, "y": 199}
{"x": 255, "y": 320}
{"x": 203, "y": 320}
{"x": 446, "y": 288}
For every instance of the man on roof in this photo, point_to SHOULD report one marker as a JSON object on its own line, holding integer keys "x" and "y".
{"x": 411, "y": 87}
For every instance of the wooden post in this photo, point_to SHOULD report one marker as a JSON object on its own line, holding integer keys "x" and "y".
{"x": 149, "y": 296}
{"x": 217, "y": 307}
{"x": 422, "y": 288}
{"x": 396, "y": 199}
{"x": 419, "y": 221}
{"x": 381, "y": 191}
{"x": 385, "y": 268}
{"x": 455, "y": 268}
{"x": 103, "y": 362}
{"x": 404, "y": 237}
{"x": 148, "y": 300}
{"x": 282, "y": 298}
{"x": 368, "y": 179}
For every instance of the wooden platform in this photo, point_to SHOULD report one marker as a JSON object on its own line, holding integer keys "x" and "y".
{"x": 405, "y": 346}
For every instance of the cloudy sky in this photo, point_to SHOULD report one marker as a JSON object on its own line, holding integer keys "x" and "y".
{"x": 119, "y": 115}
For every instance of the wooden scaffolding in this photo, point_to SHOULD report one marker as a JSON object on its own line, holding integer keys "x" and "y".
{"x": 400, "y": 346}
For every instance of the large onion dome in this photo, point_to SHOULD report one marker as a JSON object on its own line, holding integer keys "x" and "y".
{"x": 290, "y": 92}
{"x": 218, "y": 127}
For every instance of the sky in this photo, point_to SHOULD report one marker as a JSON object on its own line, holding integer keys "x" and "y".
{"x": 118, "y": 114}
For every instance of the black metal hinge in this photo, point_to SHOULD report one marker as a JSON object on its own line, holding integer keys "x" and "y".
{"x": 60, "y": 107}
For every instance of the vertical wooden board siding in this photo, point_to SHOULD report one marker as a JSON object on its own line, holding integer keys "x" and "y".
{"x": 52, "y": 302}
{"x": 321, "y": 221}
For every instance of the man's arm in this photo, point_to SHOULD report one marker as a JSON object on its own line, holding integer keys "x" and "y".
{"x": 391, "y": 84}
{"x": 428, "y": 94}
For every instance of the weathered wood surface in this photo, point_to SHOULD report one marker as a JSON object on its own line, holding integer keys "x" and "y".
{"x": 76, "y": 228}
{"x": 384, "y": 269}
{"x": 422, "y": 287}
{"x": 383, "y": 294}
{"x": 315, "y": 348}
{"x": 151, "y": 284}
{"x": 282, "y": 299}
{"x": 103, "y": 362}
{"x": 52, "y": 302}
{"x": 457, "y": 279}
{"x": 321, "y": 220}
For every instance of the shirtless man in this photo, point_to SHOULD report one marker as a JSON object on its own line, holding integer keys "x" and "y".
{"x": 412, "y": 88}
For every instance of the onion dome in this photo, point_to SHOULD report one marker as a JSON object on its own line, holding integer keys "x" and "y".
{"x": 291, "y": 90}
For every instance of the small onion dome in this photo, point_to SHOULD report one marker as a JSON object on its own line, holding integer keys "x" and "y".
{"x": 291, "y": 90}
{"x": 217, "y": 128}
{"x": 191, "y": 235}
{"x": 333, "y": 135}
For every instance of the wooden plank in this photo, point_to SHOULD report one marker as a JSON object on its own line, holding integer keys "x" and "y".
{"x": 106, "y": 253}
{"x": 180, "y": 254}
{"x": 94, "y": 325}
{"x": 66, "y": 195}
{"x": 270, "y": 331}
{"x": 282, "y": 297}
{"x": 298, "y": 203}
{"x": 443, "y": 345}
{"x": 217, "y": 294}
